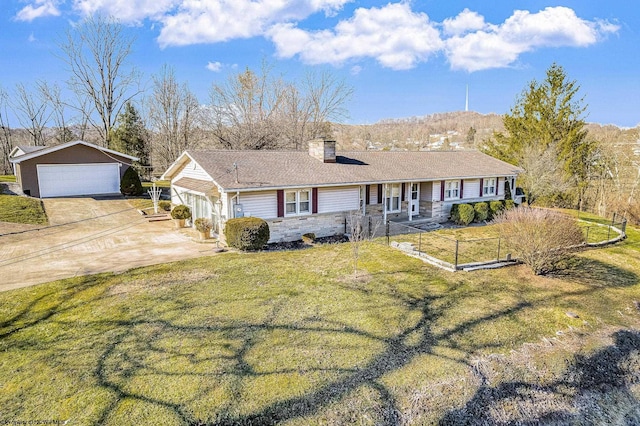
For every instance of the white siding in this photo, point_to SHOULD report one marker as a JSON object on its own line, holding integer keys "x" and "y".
{"x": 471, "y": 188}
{"x": 500, "y": 183}
{"x": 263, "y": 204}
{"x": 373, "y": 194}
{"x": 425, "y": 191}
{"x": 435, "y": 195}
{"x": 192, "y": 170}
{"x": 338, "y": 199}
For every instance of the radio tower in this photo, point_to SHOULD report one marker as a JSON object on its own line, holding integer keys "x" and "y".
{"x": 466, "y": 103}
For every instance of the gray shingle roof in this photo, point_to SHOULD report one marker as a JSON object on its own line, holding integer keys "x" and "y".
{"x": 273, "y": 169}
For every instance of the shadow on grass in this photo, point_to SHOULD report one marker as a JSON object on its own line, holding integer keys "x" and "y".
{"x": 594, "y": 273}
{"x": 594, "y": 390}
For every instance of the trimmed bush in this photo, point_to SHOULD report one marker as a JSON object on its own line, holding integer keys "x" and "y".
{"x": 495, "y": 207}
{"x": 308, "y": 238}
{"x": 509, "y": 204}
{"x": 181, "y": 212}
{"x": 247, "y": 233}
{"x": 453, "y": 215}
{"x": 164, "y": 205}
{"x": 130, "y": 183}
{"x": 465, "y": 214}
{"x": 481, "y": 212}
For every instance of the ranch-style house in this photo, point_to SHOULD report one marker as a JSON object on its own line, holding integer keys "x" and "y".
{"x": 299, "y": 192}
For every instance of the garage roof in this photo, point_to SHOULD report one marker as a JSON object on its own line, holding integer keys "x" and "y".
{"x": 50, "y": 149}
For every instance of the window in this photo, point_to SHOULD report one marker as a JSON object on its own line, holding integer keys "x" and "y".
{"x": 297, "y": 202}
{"x": 489, "y": 187}
{"x": 392, "y": 196}
{"x": 452, "y": 190}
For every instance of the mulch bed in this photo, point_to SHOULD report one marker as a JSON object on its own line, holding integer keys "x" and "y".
{"x": 299, "y": 245}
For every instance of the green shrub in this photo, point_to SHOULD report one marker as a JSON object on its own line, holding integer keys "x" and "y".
{"x": 247, "y": 233}
{"x": 495, "y": 207}
{"x": 465, "y": 214}
{"x": 509, "y": 204}
{"x": 454, "y": 213}
{"x": 481, "y": 212}
{"x": 181, "y": 212}
{"x": 130, "y": 183}
{"x": 164, "y": 205}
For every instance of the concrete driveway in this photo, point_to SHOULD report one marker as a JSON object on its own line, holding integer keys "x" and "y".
{"x": 89, "y": 236}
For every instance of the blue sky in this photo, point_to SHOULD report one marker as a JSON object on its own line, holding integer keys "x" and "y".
{"x": 403, "y": 58}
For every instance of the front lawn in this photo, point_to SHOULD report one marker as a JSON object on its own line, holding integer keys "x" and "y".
{"x": 293, "y": 338}
{"x": 17, "y": 209}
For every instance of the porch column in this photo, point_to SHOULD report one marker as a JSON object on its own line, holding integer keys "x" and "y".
{"x": 384, "y": 203}
{"x": 363, "y": 192}
{"x": 410, "y": 203}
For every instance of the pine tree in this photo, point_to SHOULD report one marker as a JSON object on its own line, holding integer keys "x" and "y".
{"x": 130, "y": 135}
{"x": 548, "y": 120}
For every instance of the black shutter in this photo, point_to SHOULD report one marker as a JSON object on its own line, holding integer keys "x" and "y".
{"x": 379, "y": 193}
{"x": 280, "y": 203}
{"x": 367, "y": 195}
{"x": 314, "y": 200}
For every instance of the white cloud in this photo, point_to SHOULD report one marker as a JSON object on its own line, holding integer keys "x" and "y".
{"x": 128, "y": 11}
{"x": 394, "y": 35}
{"x": 500, "y": 46}
{"x": 38, "y": 9}
{"x": 466, "y": 21}
{"x": 220, "y": 20}
{"x": 31, "y": 38}
{"x": 356, "y": 69}
{"x": 214, "y": 66}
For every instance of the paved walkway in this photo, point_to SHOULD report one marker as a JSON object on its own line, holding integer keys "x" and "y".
{"x": 89, "y": 236}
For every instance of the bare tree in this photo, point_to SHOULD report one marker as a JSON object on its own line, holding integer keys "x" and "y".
{"x": 53, "y": 96}
{"x": 6, "y": 143}
{"x": 257, "y": 110}
{"x": 361, "y": 228}
{"x": 96, "y": 52}
{"x": 173, "y": 116}
{"x": 33, "y": 113}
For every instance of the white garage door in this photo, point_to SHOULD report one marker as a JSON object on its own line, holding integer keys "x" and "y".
{"x": 63, "y": 180}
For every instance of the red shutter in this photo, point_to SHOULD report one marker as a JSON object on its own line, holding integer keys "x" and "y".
{"x": 367, "y": 194}
{"x": 314, "y": 200}
{"x": 404, "y": 188}
{"x": 461, "y": 188}
{"x": 280, "y": 203}
{"x": 379, "y": 193}
{"x": 481, "y": 185}
{"x": 441, "y": 190}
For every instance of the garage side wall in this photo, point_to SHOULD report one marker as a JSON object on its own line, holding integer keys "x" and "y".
{"x": 77, "y": 154}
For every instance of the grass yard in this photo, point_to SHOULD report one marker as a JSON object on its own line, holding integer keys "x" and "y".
{"x": 17, "y": 209}
{"x": 480, "y": 243}
{"x": 293, "y": 338}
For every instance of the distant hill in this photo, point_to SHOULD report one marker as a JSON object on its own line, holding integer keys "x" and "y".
{"x": 447, "y": 130}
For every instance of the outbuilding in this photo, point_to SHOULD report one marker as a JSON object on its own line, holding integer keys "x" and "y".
{"x": 71, "y": 169}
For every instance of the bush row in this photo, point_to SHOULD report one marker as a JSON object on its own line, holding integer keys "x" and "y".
{"x": 464, "y": 214}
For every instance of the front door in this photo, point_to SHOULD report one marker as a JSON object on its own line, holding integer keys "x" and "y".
{"x": 415, "y": 199}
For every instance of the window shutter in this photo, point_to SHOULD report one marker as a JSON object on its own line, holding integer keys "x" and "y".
{"x": 379, "y": 193}
{"x": 481, "y": 185}
{"x": 367, "y": 194}
{"x": 441, "y": 190}
{"x": 280, "y": 203}
{"x": 461, "y": 188}
{"x": 404, "y": 188}
{"x": 314, "y": 200}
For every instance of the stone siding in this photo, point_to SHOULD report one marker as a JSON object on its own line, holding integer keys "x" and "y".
{"x": 292, "y": 228}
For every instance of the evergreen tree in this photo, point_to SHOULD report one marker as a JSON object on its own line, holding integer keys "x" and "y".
{"x": 548, "y": 121}
{"x": 130, "y": 135}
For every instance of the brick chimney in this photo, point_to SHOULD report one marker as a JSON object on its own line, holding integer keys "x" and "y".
{"x": 323, "y": 150}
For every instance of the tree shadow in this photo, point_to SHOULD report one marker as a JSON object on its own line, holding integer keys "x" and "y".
{"x": 581, "y": 392}
{"x": 595, "y": 273}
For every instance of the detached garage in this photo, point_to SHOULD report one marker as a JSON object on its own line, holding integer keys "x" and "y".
{"x": 72, "y": 169}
